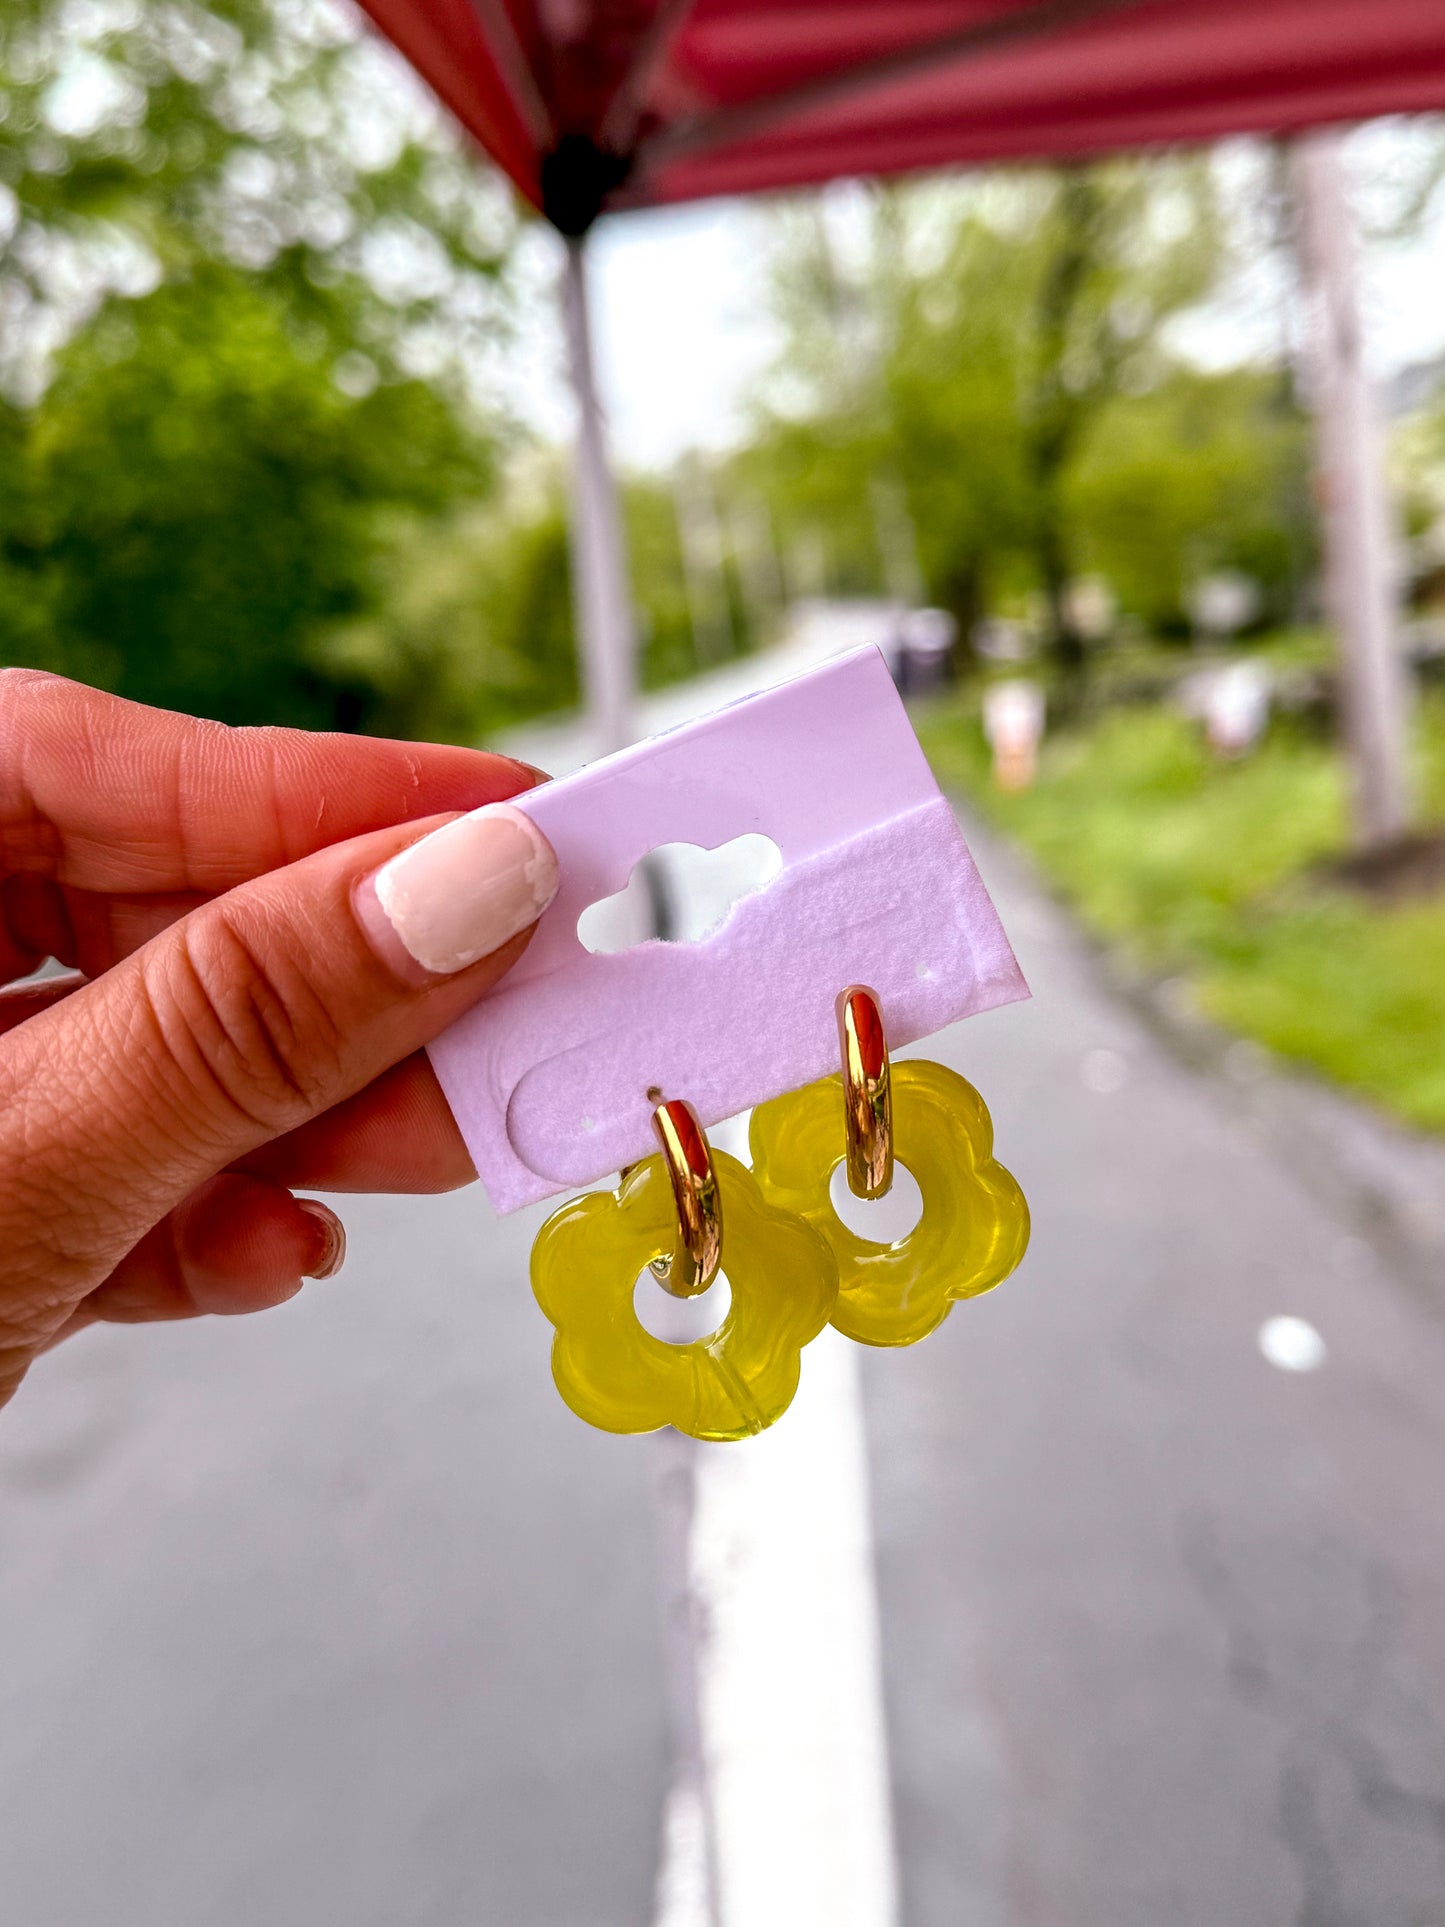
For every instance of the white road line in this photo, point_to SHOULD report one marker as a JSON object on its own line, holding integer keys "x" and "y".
{"x": 790, "y": 1686}
{"x": 787, "y": 1670}
{"x": 792, "y": 1705}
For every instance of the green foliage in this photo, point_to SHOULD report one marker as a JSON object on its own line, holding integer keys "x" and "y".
{"x": 474, "y": 628}
{"x": 818, "y": 477}
{"x": 1219, "y": 872}
{"x": 684, "y": 627}
{"x": 1002, "y": 350}
{"x": 1352, "y": 991}
{"x": 195, "y": 501}
{"x": 476, "y": 621}
{"x": 664, "y": 618}
{"x": 231, "y": 235}
{"x": 1206, "y": 472}
{"x": 138, "y": 141}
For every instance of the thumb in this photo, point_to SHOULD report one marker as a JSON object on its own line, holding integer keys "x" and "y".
{"x": 249, "y": 1016}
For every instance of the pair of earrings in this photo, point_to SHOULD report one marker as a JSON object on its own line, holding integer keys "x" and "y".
{"x": 792, "y": 1264}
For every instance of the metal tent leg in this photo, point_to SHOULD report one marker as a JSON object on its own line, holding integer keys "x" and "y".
{"x": 606, "y": 632}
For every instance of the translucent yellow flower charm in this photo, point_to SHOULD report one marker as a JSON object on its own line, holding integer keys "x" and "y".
{"x": 975, "y": 1223}
{"x": 614, "y": 1373}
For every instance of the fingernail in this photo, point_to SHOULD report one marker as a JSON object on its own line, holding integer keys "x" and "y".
{"x": 459, "y": 893}
{"x": 331, "y": 1245}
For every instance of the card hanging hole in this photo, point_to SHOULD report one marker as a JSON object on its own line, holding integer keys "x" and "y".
{"x": 681, "y": 893}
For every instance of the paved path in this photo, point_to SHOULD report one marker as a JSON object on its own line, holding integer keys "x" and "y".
{"x": 1163, "y": 1626}
{"x": 335, "y": 1618}
{"x": 319, "y": 1619}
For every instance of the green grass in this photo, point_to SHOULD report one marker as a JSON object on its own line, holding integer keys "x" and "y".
{"x": 1213, "y": 872}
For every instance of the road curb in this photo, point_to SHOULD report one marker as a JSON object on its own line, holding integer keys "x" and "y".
{"x": 1386, "y": 1181}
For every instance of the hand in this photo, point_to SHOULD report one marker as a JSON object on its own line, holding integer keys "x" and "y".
{"x": 267, "y": 927}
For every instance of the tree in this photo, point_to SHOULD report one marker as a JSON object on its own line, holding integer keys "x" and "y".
{"x": 199, "y": 503}
{"x": 476, "y": 617}
{"x": 1009, "y": 315}
{"x": 282, "y": 139}
{"x": 1204, "y": 473}
{"x": 247, "y": 279}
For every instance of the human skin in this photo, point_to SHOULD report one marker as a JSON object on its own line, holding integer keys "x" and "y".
{"x": 263, "y": 927}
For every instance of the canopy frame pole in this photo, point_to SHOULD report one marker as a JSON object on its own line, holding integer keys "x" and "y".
{"x": 601, "y": 595}
{"x": 724, "y": 126}
{"x": 625, "y": 110}
{"x": 500, "y": 38}
{"x": 1360, "y": 571}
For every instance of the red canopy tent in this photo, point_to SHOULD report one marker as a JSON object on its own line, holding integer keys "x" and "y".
{"x": 596, "y": 104}
{"x": 599, "y": 105}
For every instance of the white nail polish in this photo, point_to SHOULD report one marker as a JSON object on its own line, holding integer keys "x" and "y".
{"x": 461, "y": 892}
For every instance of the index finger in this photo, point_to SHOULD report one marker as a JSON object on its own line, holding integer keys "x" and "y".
{"x": 107, "y": 795}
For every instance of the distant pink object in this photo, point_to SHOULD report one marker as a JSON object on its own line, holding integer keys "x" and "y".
{"x": 549, "y": 1076}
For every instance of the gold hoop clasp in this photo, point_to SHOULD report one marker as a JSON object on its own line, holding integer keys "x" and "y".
{"x": 697, "y": 1248}
{"x": 867, "y": 1093}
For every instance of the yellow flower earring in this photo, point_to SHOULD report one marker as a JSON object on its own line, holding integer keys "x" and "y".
{"x": 793, "y": 1266}
{"x": 667, "y": 1215}
{"x": 975, "y": 1223}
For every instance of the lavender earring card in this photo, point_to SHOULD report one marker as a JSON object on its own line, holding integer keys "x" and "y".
{"x": 554, "y": 1077}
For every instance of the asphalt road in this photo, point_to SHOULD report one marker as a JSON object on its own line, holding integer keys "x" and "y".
{"x": 337, "y": 1618}
{"x": 331, "y": 1618}
{"x": 1163, "y": 1625}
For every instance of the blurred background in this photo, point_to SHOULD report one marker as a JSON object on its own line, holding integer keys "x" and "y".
{"x": 1122, "y": 1600}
